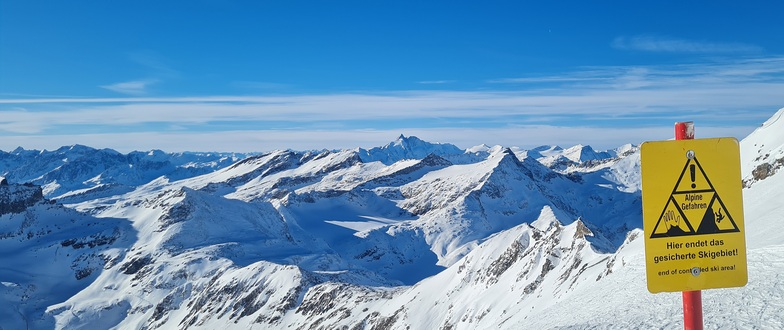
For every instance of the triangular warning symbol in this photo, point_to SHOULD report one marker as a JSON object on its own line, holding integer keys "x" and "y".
{"x": 693, "y": 178}
{"x": 717, "y": 219}
{"x": 672, "y": 222}
{"x": 694, "y": 207}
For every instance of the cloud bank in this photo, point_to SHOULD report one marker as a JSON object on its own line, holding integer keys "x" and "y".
{"x": 601, "y": 106}
{"x": 671, "y": 45}
{"x": 133, "y": 87}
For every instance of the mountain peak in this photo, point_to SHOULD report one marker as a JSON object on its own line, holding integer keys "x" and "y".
{"x": 546, "y": 219}
{"x": 320, "y": 239}
{"x": 581, "y": 229}
{"x": 407, "y": 147}
{"x": 482, "y": 148}
{"x": 74, "y": 148}
{"x": 407, "y": 141}
{"x": 580, "y": 153}
{"x": 435, "y": 160}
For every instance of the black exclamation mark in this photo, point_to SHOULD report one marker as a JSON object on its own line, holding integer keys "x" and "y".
{"x": 692, "y": 170}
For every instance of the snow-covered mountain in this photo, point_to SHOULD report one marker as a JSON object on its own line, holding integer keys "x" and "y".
{"x": 412, "y": 147}
{"x": 410, "y": 235}
{"x": 78, "y": 170}
{"x": 50, "y": 253}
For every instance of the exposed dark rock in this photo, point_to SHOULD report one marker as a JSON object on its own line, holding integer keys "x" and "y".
{"x": 582, "y": 230}
{"x": 17, "y": 198}
{"x": 82, "y": 273}
{"x": 764, "y": 171}
{"x": 133, "y": 266}
{"x": 90, "y": 241}
{"x": 506, "y": 260}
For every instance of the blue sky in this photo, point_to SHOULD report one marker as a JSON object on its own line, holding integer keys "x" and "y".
{"x": 256, "y": 76}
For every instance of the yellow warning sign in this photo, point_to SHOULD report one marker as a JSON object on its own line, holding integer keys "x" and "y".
{"x": 693, "y": 215}
{"x": 694, "y": 207}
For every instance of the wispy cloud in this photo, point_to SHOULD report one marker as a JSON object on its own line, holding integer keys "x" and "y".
{"x": 151, "y": 65}
{"x": 661, "y": 44}
{"x": 545, "y": 79}
{"x": 436, "y": 82}
{"x": 583, "y": 106}
{"x": 663, "y": 78}
{"x": 527, "y": 136}
{"x": 133, "y": 87}
{"x": 259, "y": 85}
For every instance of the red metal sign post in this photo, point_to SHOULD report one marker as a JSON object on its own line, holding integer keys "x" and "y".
{"x": 692, "y": 300}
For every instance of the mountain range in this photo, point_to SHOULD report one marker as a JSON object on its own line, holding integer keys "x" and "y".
{"x": 409, "y": 235}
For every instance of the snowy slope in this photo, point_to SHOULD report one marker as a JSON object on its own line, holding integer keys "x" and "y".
{"x": 410, "y": 235}
{"x": 50, "y": 253}
{"x": 324, "y": 213}
{"x": 760, "y": 304}
{"x": 622, "y": 301}
{"x": 762, "y": 151}
{"x": 762, "y": 159}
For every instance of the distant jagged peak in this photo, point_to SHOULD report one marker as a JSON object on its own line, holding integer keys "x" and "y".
{"x": 546, "y": 220}
{"x": 579, "y": 148}
{"x": 402, "y": 139}
{"x": 504, "y": 156}
{"x": 626, "y": 150}
{"x": 83, "y": 150}
{"x": 156, "y": 153}
{"x": 542, "y": 152}
{"x": 78, "y": 148}
{"x": 506, "y": 162}
{"x": 266, "y": 159}
{"x": 411, "y": 141}
{"x": 482, "y": 148}
{"x": 68, "y": 150}
{"x": 581, "y": 230}
{"x": 407, "y": 147}
{"x": 547, "y": 148}
{"x": 580, "y": 153}
{"x": 497, "y": 149}
{"x": 509, "y": 154}
{"x": 74, "y": 148}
